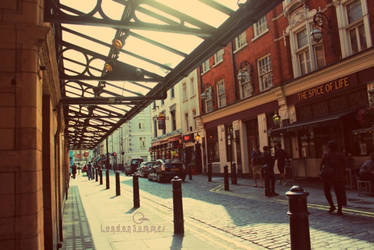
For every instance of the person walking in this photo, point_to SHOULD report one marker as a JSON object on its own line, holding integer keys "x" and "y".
{"x": 74, "y": 170}
{"x": 333, "y": 175}
{"x": 89, "y": 171}
{"x": 257, "y": 163}
{"x": 281, "y": 157}
{"x": 269, "y": 172}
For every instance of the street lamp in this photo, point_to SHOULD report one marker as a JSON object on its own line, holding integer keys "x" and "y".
{"x": 320, "y": 21}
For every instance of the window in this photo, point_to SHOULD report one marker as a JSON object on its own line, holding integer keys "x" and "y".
{"x": 221, "y": 94}
{"x": 205, "y": 66}
{"x": 172, "y": 93}
{"x": 186, "y": 121}
{"x": 353, "y": 18}
{"x": 355, "y": 29}
{"x": 142, "y": 142}
{"x": 162, "y": 101}
{"x": 302, "y": 52}
{"x": 218, "y": 56}
{"x": 192, "y": 86}
{"x": 260, "y": 27}
{"x": 265, "y": 73}
{"x": 245, "y": 86}
{"x": 194, "y": 117}
{"x": 154, "y": 105}
{"x": 209, "y": 100}
{"x": 141, "y": 125}
{"x": 184, "y": 91}
{"x": 240, "y": 41}
{"x": 154, "y": 126}
{"x": 173, "y": 120}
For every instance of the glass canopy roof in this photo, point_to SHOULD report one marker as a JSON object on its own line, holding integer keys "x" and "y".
{"x": 115, "y": 57}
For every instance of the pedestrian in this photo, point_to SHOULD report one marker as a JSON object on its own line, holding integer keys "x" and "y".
{"x": 89, "y": 171}
{"x": 257, "y": 163}
{"x": 79, "y": 168}
{"x": 269, "y": 175}
{"x": 333, "y": 175}
{"x": 74, "y": 170}
{"x": 281, "y": 157}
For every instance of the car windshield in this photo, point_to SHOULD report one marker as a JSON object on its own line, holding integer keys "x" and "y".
{"x": 135, "y": 161}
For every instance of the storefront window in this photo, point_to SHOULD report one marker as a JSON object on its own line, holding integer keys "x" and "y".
{"x": 362, "y": 142}
{"x": 212, "y": 145}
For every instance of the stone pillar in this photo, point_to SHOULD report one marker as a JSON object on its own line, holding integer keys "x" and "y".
{"x": 21, "y": 92}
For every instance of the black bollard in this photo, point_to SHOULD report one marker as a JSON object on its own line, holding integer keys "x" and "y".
{"x": 190, "y": 172}
{"x": 101, "y": 176}
{"x": 210, "y": 172}
{"x": 135, "y": 185}
{"x": 96, "y": 174}
{"x": 226, "y": 177}
{"x": 234, "y": 177}
{"x": 299, "y": 223}
{"x": 177, "y": 205}
{"x": 107, "y": 178}
{"x": 118, "y": 187}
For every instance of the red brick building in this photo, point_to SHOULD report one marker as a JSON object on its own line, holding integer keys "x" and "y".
{"x": 299, "y": 76}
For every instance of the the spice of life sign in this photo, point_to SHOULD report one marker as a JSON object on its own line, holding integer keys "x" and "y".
{"x": 323, "y": 89}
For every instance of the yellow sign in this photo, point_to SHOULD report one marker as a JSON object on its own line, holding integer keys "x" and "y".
{"x": 323, "y": 89}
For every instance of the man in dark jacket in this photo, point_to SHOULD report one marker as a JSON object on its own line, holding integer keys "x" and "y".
{"x": 269, "y": 173}
{"x": 333, "y": 175}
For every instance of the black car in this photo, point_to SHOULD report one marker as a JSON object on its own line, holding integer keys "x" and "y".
{"x": 165, "y": 170}
{"x": 133, "y": 167}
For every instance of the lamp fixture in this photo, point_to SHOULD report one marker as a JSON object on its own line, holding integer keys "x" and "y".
{"x": 108, "y": 67}
{"x": 320, "y": 21}
{"x": 241, "y": 3}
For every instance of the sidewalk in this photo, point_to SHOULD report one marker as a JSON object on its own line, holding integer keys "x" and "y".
{"x": 94, "y": 218}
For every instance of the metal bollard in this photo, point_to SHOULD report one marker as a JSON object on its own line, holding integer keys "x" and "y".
{"x": 101, "y": 176}
{"x": 135, "y": 185}
{"x": 234, "y": 177}
{"x": 210, "y": 172}
{"x": 107, "y": 178}
{"x": 299, "y": 223}
{"x": 177, "y": 205}
{"x": 118, "y": 187}
{"x": 96, "y": 174}
{"x": 226, "y": 177}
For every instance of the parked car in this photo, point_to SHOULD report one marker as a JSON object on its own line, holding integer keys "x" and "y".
{"x": 165, "y": 170}
{"x": 144, "y": 168}
{"x": 133, "y": 167}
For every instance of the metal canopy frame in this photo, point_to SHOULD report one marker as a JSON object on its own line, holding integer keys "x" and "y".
{"x": 105, "y": 82}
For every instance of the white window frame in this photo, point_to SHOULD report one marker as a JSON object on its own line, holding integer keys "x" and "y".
{"x": 260, "y": 27}
{"x": 221, "y": 94}
{"x": 309, "y": 49}
{"x": 245, "y": 86}
{"x": 205, "y": 66}
{"x": 208, "y": 100}
{"x": 192, "y": 87}
{"x": 218, "y": 57}
{"x": 344, "y": 26}
{"x": 240, "y": 41}
{"x": 184, "y": 91}
{"x": 265, "y": 73}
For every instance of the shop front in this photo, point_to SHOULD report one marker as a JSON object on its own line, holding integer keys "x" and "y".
{"x": 167, "y": 148}
{"x": 328, "y": 111}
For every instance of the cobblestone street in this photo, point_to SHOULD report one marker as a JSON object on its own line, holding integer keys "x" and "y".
{"x": 241, "y": 218}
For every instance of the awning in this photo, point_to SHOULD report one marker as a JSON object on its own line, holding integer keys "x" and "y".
{"x": 315, "y": 122}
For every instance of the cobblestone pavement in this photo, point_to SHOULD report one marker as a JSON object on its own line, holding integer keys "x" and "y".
{"x": 246, "y": 215}
{"x": 76, "y": 231}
